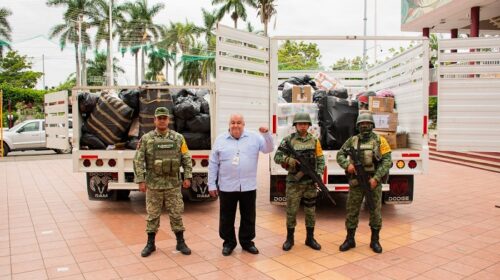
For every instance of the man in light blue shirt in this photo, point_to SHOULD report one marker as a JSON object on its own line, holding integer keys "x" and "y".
{"x": 233, "y": 168}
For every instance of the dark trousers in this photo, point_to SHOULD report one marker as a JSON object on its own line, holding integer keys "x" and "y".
{"x": 228, "y": 203}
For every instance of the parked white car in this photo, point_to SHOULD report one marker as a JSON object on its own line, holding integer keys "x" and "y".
{"x": 29, "y": 135}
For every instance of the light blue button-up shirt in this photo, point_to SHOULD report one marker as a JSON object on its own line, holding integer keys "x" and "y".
{"x": 234, "y": 161}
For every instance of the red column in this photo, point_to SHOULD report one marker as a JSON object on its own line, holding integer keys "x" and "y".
{"x": 474, "y": 22}
{"x": 425, "y": 32}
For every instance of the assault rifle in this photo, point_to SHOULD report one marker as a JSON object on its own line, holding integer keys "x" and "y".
{"x": 308, "y": 170}
{"x": 362, "y": 177}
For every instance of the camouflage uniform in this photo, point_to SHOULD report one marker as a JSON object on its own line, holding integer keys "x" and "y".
{"x": 157, "y": 163}
{"x": 375, "y": 154}
{"x": 303, "y": 187}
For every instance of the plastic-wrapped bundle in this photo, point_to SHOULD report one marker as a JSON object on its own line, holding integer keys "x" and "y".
{"x": 131, "y": 98}
{"x": 200, "y": 123}
{"x": 150, "y": 99}
{"x": 337, "y": 120}
{"x": 186, "y": 107}
{"x": 110, "y": 120}
{"x": 87, "y": 102}
{"x": 197, "y": 141}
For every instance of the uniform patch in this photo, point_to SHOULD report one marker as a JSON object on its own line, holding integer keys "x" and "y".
{"x": 384, "y": 146}
{"x": 164, "y": 146}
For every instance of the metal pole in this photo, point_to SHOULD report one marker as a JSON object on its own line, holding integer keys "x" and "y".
{"x": 375, "y": 33}
{"x": 110, "y": 55}
{"x": 364, "y": 41}
{"x": 43, "y": 69}
{"x": 80, "y": 17}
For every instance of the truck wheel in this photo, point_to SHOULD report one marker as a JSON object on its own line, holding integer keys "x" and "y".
{"x": 6, "y": 149}
{"x": 122, "y": 194}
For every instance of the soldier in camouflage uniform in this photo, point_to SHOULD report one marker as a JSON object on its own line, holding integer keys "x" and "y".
{"x": 159, "y": 156}
{"x": 298, "y": 185}
{"x": 375, "y": 154}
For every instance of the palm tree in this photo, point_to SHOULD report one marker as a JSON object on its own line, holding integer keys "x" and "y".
{"x": 266, "y": 9}
{"x": 191, "y": 73}
{"x": 234, "y": 7}
{"x": 5, "y": 29}
{"x": 179, "y": 37}
{"x": 209, "y": 22}
{"x": 251, "y": 29}
{"x": 140, "y": 28}
{"x": 68, "y": 31}
{"x": 99, "y": 18}
{"x": 157, "y": 60}
{"x": 98, "y": 67}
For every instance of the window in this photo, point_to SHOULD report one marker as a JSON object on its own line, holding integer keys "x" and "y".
{"x": 30, "y": 127}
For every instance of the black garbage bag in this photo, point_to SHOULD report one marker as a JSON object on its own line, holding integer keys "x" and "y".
{"x": 87, "y": 102}
{"x": 200, "y": 123}
{"x": 110, "y": 120}
{"x": 186, "y": 107}
{"x": 204, "y": 106}
{"x": 132, "y": 143}
{"x": 337, "y": 120}
{"x": 287, "y": 95}
{"x": 340, "y": 93}
{"x": 304, "y": 80}
{"x": 181, "y": 125}
{"x": 131, "y": 98}
{"x": 197, "y": 141}
{"x": 92, "y": 142}
{"x": 185, "y": 93}
{"x": 318, "y": 95}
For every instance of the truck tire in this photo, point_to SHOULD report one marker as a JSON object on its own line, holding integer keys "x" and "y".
{"x": 122, "y": 194}
{"x": 6, "y": 149}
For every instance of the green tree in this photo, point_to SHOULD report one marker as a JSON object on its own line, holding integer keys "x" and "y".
{"x": 5, "y": 30}
{"x": 140, "y": 29}
{"x": 266, "y": 10}
{"x": 192, "y": 72}
{"x": 298, "y": 56}
{"x": 16, "y": 71}
{"x": 68, "y": 31}
{"x": 348, "y": 64}
{"x": 179, "y": 37}
{"x": 97, "y": 68}
{"x": 157, "y": 60}
{"x": 209, "y": 22}
{"x": 99, "y": 18}
{"x": 234, "y": 7}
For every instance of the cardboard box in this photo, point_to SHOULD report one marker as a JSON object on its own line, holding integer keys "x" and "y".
{"x": 381, "y": 104}
{"x": 386, "y": 121}
{"x": 390, "y": 137}
{"x": 301, "y": 94}
{"x": 402, "y": 140}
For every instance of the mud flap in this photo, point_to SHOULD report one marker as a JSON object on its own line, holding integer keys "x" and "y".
{"x": 97, "y": 186}
{"x": 278, "y": 190}
{"x": 199, "y": 188}
{"x": 400, "y": 190}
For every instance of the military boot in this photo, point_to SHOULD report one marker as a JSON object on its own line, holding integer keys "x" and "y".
{"x": 349, "y": 240}
{"x": 150, "y": 246}
{"x": 374, "y": 244}
{"x": 181, "y": 245}
{"x": 310, "y": 241}
{"x": 289, "y": 239}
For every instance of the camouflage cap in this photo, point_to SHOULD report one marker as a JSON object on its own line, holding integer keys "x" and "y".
{"x": 161, "y": 111}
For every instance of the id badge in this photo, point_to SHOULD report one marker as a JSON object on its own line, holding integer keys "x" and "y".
{"x": 236, "y": 160}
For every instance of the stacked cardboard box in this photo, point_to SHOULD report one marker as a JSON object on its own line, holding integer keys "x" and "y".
{"x": 386, "y": 120}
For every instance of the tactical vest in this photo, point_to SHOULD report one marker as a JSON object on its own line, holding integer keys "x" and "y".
{"x": 369, "y": 152}
{"x": 164, "y": 156}
{"x": 306, "y": 149}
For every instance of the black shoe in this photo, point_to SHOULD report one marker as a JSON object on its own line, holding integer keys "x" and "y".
{"x": 226, "y": 251}
{"x": 289, "y": 242}
{"x": 181, "y": 244}
{"x": 310, "y": 241}
{"x": 374, "y": 242}
{"x": 349, "y": 241}
{"x": 251, "y": 249}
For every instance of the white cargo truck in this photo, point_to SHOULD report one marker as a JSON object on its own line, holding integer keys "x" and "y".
{"x": 247, "y": 82}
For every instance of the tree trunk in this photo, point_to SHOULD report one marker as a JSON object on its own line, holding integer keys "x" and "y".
{"x": 84, "y": 66}
{"x": 108, "y": 65}
{"x": 266, "y": 24}
{"x": 236, "y": 24}
{"x": 137, "y": 68}
{"x": 142, "y": 65}
{"x": 166, "y": 70}
{"x": 175, "y": 69}
{"x": 78, "y": 80}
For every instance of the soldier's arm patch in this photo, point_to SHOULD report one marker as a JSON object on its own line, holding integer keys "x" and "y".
{"x": 384, "y": 146}
{"x": 184, "y": 147}
{"x": 319, "y": 150}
